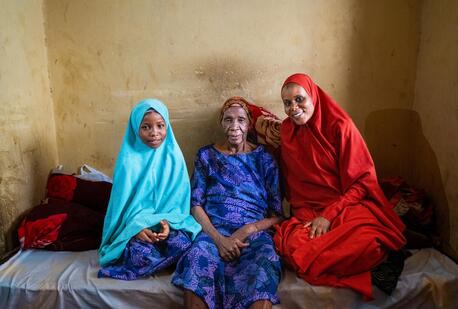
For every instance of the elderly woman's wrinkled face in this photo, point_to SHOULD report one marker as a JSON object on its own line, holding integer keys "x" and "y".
{"x": 298, "y": 103}
{"x": 235, "y": 124}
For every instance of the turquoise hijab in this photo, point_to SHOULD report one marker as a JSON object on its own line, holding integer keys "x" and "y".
{"x": 149, "y": 185}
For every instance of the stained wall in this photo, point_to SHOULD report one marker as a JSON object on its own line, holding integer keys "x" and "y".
{"x": 436, "y": 103}
{"x": 28, "y": 148}
{"x": 104, "y": 56}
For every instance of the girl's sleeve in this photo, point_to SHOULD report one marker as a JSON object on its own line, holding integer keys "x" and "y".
{"x": 198, "y": 182}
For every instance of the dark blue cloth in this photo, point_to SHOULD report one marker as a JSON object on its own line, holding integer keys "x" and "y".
{"x": 234, "y": 190}
{"x": 142, "y": 259}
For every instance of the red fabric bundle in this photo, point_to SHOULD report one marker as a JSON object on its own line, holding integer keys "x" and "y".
{"x": 410, "y": 203}
{"x": 70, "y": 219}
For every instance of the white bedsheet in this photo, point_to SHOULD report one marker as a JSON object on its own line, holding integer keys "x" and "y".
{"x": 42, "y": 279}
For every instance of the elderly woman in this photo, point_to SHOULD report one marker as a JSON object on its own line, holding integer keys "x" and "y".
{"x": 235, "y": 186}
{"x": 341, "y": 226}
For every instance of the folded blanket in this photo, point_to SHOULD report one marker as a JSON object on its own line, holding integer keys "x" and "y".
{"x": 60, "y": 225}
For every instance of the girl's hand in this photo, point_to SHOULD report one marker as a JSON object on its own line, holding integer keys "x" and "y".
{"x": 229, "y": 247}
{"x": 165, "y": 230}
{"x": 318, "y": 226}
{"x": 150, "y": 236}
{"x": 147, "y": 235}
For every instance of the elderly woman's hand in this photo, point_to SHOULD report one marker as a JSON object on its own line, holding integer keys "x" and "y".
{"x": 318, "y": 226}
{"x": 245, "y": 231}
{"x": 229, "y": 247}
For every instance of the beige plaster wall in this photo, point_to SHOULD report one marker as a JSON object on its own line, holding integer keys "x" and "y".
{"x": 27, "y": 133}
{"x": 106, "y": 55}
{"x": 436, "y": 103}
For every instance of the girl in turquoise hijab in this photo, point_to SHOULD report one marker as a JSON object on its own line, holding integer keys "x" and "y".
{"x": 148, "y": 225}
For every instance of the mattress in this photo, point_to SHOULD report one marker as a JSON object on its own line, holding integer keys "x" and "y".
{"x": 43, "y": 279}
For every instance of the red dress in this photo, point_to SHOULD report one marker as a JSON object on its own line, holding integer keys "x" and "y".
{"x": 329, "y": 172}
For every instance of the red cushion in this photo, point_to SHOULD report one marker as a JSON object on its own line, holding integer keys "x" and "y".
{"x": 61, "y": 187}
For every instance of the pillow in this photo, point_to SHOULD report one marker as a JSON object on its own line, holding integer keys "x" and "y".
{"x": 92, "y": 194}
{"x": 61, "y": 187}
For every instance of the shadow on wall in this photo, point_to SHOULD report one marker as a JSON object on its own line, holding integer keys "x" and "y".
{"x": 381, "y": 69}
{"x": 398, "y": 147}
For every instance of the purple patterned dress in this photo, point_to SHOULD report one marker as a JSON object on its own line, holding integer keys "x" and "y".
{"x": 142, "y": 258}
{"x": 234, "y": 190}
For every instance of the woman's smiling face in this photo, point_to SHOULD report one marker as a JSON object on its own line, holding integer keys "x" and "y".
{"x": 298, "y": 103}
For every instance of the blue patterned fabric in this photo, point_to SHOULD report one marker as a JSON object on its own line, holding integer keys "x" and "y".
{"x": 234, "y": 190}
{"x": 149, "y": 185}
{"x": 143, "y": 259}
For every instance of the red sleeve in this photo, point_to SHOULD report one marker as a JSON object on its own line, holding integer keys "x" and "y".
{"x": 356, "y": 168}
{"x": 355, "y": 194}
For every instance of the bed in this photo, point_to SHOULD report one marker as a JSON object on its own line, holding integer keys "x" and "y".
{"x": 44, "y": 279}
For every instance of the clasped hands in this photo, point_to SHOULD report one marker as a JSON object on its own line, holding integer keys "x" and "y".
{"x": 150, "y": 236}
{"x": 229, "y": 247}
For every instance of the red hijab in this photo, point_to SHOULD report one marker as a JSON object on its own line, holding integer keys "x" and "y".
{"x": 325, "y": 162}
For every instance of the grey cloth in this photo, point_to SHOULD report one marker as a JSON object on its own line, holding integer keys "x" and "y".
{"x": 43, "y": 279}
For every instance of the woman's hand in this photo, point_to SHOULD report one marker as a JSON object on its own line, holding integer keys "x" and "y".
{"x": 149, "y": 236}
{"x": 245, "y": 231}
{"x": 229, "y": 247}
{"x": 318, "y": 226}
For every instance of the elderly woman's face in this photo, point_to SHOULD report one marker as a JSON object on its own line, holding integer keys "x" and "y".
{"x": 298, "y": 103}
{"x": 235, "y": 124}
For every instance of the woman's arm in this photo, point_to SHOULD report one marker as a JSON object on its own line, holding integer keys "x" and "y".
{"x": 272, "y": 186}
{"x": 245, "y": 231}
{"x": 356, "y": 170}
{"x": 228, "y": 247}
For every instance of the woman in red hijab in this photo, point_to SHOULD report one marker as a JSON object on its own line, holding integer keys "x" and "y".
{"x": 341, "y": 226}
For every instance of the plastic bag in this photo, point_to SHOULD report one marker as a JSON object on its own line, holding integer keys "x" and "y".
{"x": 87, "y": 172}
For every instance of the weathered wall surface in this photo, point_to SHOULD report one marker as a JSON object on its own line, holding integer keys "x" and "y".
{"x": 436, "y": 102}
{"x": 27, "y": 133}
{"x": 106, "y": 55}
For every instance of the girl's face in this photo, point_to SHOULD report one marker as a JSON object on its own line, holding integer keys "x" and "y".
{"x": 297, "y": 103}
{"x": 235, "y": 124}
{"x": 152, "y": 129}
